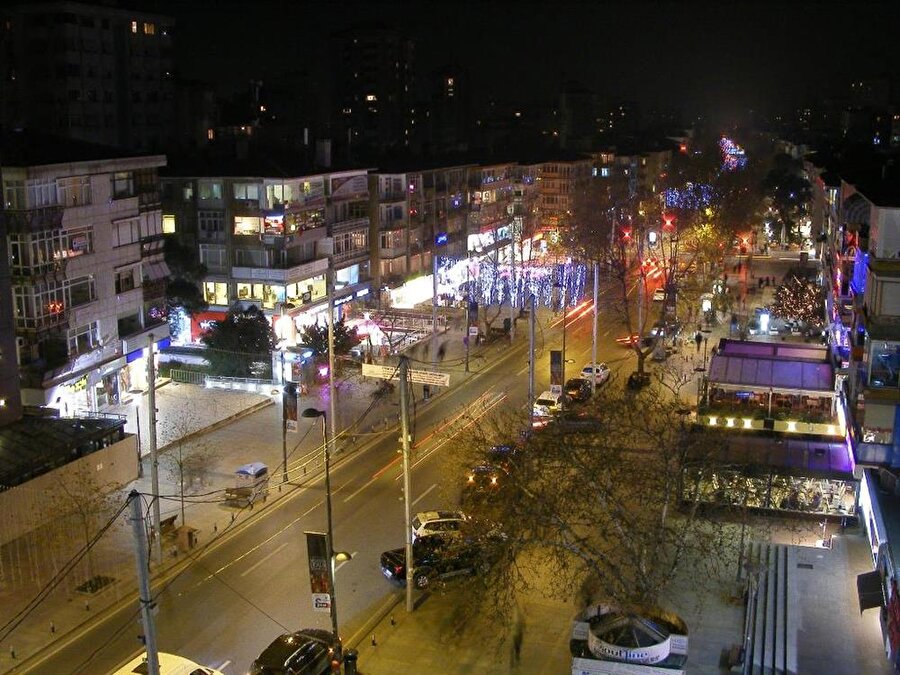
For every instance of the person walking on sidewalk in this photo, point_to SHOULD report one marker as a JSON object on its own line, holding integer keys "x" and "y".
{"x": 698, "y": 339}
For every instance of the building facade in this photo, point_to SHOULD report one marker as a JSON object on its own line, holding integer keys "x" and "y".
{"x": 272, "y": 241}
{"x": 87, "y": 274}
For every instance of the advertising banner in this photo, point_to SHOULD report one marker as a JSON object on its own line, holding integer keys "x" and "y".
{"x": 289, "y": 406}
{"x": 317, "y": 551}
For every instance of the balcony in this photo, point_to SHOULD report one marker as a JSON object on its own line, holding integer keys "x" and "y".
{"x": 32, "y": 220}
{"x": 40, "y": 324}
{"x": 149, "y": 201}
{"x": 54, "y": 270}
{"x": 281, "y": 275}
{"x": 349, "y": 225}
{"x": 348, "y": 256}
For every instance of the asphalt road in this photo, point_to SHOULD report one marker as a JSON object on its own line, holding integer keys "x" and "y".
{"x": 249, "y": 586}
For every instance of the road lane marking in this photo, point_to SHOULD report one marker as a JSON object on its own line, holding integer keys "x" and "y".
{"x": 422, "y": 496}
{"x": 353, "y": 494}
{"x": 224, "y": 665}
{"x": 352, "y": 555}
{"x": 265, "y": 558}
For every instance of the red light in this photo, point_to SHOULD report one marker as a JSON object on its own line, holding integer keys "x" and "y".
{"x": 668, "y": 221}
{"x": 683, "y": 148}
{"x": 626, "y": 234}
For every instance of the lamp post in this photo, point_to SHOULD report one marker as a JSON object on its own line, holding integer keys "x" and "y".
{"x": 310, "y": 413}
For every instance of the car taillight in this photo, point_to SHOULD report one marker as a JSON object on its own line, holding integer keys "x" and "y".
{"x": 398, "y": 569}
{"x": 471, "y": 478}
{"x": 493, "y": 480}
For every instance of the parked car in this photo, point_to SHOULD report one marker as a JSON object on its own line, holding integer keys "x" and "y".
{"x": 599, "y": 371}
{"x": 307, "y": 652}
{"x": 435, "y": 557}
{"x": 426, "y": 523}
{"x": 169, "y": 664}
{"x": 578, "y": 389}
{"x": 547, "y": 404}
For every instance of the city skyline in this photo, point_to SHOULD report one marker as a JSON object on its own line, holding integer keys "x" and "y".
{"x": 706, "y": 58}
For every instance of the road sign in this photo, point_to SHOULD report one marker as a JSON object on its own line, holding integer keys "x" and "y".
{"x": 418, "y": 376}
{"x": 473, "y": 331}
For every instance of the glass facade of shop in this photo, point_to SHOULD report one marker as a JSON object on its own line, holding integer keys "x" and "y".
{"x": 767, "y": 489}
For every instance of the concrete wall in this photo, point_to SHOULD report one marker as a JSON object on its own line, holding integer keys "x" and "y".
{"x": 29, "y": 506}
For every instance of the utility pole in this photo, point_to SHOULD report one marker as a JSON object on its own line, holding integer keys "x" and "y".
{"x": 594, "y": 328}
{"x": 154, "y": 459}
{"x": 332, "y": 417}
{"x": 531, "y": 320}
{"x": 143, "y": 572}
{"x": 407, "y": 504}
{"x": 565, "y": 317}
{"x": 284, "y": 393}
{"x": 434, "y": 306}
{"x": 512, "y": 292}
{"x": 468, "y": 308}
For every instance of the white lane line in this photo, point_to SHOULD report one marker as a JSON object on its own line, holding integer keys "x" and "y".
{"x": 352, "y": 555}
{"x": 262, "y": 560}
{"x": 353, "y": 494}
{"x": 224, "y": 665}
{"x": 422, "y": 496}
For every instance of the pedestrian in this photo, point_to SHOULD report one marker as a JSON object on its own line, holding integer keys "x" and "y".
{"x": 518, "y": 634}
{"x": 698, "y": 339}
{"x": 760, "y": 280}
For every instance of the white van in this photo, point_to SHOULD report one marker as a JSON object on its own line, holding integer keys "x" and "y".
{"x": 169, "y": 664}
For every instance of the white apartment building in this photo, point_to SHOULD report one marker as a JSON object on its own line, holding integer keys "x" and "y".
{"x": 84, "y": 241}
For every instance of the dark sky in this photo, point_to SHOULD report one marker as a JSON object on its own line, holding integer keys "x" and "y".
{"x": 701, "y": 56}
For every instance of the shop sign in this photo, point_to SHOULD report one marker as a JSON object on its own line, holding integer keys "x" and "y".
{"x": 78, "y": 385}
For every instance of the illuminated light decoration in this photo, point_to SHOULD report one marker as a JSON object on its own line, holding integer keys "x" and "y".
{"x": 440, "y": 239}
{"x": 748, "y": 423}
{"x": 713, "y": 421}
{"x": 55, "y": 307}
{"x": 668, "y": 222}
{"x": 733, "y": 156}
{"x": 626, "y": 234}
{"x": 323, "y": 371}
{"x": 792, "y": 426}
{"x": 692, "y": 196}
{"x": 729, "y": 421}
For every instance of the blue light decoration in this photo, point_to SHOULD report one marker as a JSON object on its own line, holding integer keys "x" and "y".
{"x": 691, "y": 196}
{"x": 860, "y": 270}
{"x": 733, "y": 156}
{"x": 440, "y": 239}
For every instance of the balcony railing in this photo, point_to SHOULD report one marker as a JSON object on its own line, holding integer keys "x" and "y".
{"x": 283, "y": 275}
{"x": 45, "y": 322}
{"x": 353, "y": 224}
{"x": 350, "y": 255}
{"x": 392, "y": 196}
{"x": 32, "y": 220}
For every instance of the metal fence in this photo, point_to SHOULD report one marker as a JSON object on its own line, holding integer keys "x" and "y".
{"x": 187, "y": 376}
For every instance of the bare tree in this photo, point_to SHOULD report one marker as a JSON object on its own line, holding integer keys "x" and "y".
{"x": 612, "y": 496}
{"x": 83, "y": 505}
{"x": 189, "y": 459}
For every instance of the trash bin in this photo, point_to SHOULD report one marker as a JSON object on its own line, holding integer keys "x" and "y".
{"x": 350, "y": 658}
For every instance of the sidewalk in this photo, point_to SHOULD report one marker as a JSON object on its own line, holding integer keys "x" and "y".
{"x": 197, "y": 422}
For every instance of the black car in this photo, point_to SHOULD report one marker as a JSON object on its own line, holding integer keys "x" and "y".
{"x": 434, "y": 557}
{"x": 306, "y": 652}
{"x": 578, "y": 389}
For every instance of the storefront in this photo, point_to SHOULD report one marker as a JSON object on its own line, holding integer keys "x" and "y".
{"x": 794, "y": 476}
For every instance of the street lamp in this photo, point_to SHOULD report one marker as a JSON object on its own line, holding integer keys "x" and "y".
{"x": 310, "y": 413}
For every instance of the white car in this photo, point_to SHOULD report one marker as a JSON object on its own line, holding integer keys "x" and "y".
{"x": 598, "y": 371}
{"x": 547, "y": 404}
{"x": 437, "y": 522}
{"x": 169, "y": 664}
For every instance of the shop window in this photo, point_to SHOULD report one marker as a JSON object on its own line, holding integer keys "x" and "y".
{"x": 215, "y": 293}
{"x": 247, "y": 225}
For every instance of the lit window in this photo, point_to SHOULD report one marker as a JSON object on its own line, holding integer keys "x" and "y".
{"x": 371, "y": 97}
{"x": 168, "y": 224}
{"x": 149, "y": 29}
{"x": 134, "y": 26}
{"x": 210, "y": 134}
{"x": 449, "y": 81}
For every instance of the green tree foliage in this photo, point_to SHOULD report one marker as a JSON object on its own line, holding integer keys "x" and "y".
{"x": 789, "y": 191}
{"x": 187, "y": 274}
{"x": 316, "y": 338}
{"x": 799, "y": 299}
{"x": 240, "y": 345}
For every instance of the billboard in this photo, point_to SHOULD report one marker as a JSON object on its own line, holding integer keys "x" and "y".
{"x": 319, "y": 582}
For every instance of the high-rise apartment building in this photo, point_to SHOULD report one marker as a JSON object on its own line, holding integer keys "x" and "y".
{"x": 89, "y": 72}
{"x": 375, "y": 88}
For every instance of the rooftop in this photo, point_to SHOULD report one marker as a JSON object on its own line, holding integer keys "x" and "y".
{"x": 770, "y": 365}
{"x": 788, "y": 456}
{"x": 36, "y": 445}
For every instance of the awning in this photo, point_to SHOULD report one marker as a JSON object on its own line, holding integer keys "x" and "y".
{"x": 870, "y": 590}
{"x": 155, "y": 271}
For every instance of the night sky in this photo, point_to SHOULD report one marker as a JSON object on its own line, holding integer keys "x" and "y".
{"x": 704, "y": 57}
